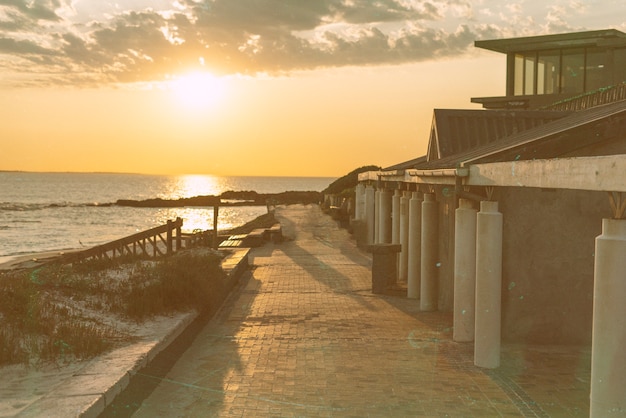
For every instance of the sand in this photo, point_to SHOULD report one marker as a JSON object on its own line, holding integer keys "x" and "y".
{"x": 31, "y": 260}
{"x": 22, "y": 386}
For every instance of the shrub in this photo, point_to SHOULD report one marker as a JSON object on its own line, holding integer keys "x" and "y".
{"x": 55, "y": 313}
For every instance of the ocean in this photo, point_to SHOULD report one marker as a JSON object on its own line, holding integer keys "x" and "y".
{"x": 41, "y": 212}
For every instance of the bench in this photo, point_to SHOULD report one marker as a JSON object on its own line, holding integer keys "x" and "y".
{"x": 231, "y": 243}
{"x": 255, "y": 238}
{"x": 275, "y": 233}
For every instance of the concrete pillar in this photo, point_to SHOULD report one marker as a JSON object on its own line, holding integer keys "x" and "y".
{"x": 430, "y": 249}
{"x": 370, "y": 212}
{"x": 488, "y": 285}
{"x": 385, "y": 217}
{"x": 404, "y": 237}
{"x": 464, "y": 271}
{"x": 415, "y": 246}
{"x": 395, "y": 216}
{"x": 377, "y": 217}
{"x": 359, "y": 202}
{"x": 608, "y": 364}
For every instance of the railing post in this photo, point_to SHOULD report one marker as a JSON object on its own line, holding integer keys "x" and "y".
{"x": 216, "y": 210}
{"x": 169, "y": 238}
{"x": 179, "y": 225}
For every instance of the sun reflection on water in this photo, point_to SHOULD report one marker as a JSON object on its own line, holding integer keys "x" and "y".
{"x": 194, "y": 185}
{"x": 201, "y": 218}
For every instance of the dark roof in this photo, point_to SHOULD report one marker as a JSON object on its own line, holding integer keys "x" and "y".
{"x": 457, "y": 131}
{"x": 550, "y": 140}
{"x": 606, "y": 37}
{"x": 407, "y": 164}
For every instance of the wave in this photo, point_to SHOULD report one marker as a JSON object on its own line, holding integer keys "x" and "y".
{"x": 25, "y": 207}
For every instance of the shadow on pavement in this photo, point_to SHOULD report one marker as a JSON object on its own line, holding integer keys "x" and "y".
{"x": 147, "y": 379}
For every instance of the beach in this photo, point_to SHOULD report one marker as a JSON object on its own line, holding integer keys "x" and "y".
{"x": 25, "y": 385}
{"x": 31, "y": 260}
{"x": 61, "y": 212}
{"x": 67, "y": 386}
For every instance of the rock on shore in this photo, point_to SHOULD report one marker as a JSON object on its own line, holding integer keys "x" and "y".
{"x": 229, "y": 198}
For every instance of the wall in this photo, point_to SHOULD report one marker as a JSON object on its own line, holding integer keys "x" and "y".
{"x": 548, "y": 262}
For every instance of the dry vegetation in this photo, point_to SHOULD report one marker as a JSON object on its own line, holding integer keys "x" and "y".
{"x": 58, "y": 313}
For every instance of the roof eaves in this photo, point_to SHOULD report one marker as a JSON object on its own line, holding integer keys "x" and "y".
{"x": 573, "y": 121}
{"x": 550, "y": 129}
{"x": 563, "y": 40}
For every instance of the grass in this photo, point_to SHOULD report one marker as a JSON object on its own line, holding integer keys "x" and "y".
{"x": 56, "y": 313}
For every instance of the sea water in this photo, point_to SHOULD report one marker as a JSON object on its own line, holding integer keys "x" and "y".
{"x": 42, "y": 212}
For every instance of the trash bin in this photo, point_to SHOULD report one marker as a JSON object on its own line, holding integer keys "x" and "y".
{"x": 384, "y": 266}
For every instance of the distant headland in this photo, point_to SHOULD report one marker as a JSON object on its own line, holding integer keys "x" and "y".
{"x": 229, "y": 198}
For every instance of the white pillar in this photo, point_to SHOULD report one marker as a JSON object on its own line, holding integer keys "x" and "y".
{"x": 377, "y": 217}
{"x": 464, "y": 271}
{"x": 608, "y": 346}
{"x": 488, "y": 285}
{"x": 395, "y": 225}
{"x": 415, "y": 245}
{"x": 370, "y": 212}
{"x": 385, "y": 217}
{"x": 428, "y": 282}
{"x": 359, "y": 202}
{"x": 404, "y": 237}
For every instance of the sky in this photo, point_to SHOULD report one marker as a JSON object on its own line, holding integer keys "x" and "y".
{"x": 251, "y": 87}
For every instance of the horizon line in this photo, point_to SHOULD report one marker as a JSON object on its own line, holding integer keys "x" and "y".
{"x": 158, "y": 174}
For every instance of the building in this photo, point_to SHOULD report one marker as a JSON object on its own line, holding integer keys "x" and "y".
{"x": 515, "y": 219}
{"x": 542, "y": 70}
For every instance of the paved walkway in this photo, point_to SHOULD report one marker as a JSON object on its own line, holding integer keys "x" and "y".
{"x": 304, "y": 336}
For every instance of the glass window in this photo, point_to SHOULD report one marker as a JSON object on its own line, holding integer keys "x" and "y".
{"x": 619, "y": 65}
{"x": 518, "y": 79}
{"x": 597, "y": 70}
{"x": 529, "y": 74}
{"x": 573, "y": 71}
{"x": 548, "y": 69}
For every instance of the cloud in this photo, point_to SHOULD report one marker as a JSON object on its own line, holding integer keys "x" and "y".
{"x": 23, "y": 47}
{"x": 558, "y": 16}
{"x": 34, "y": 10}
{"x": 243, "y": 36}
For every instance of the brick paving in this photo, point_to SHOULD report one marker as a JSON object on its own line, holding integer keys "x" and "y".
{"x": 303, "y": 335}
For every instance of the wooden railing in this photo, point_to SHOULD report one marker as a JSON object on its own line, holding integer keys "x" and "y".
{"x": 160, "y": 241}
{"x": 199, "y": 238}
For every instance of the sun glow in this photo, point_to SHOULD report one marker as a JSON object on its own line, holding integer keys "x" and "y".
{"x": 198, "y": 185}
{"x": 198, "y": 90}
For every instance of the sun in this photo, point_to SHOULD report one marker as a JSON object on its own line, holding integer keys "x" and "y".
{"x": 198, "y": 90}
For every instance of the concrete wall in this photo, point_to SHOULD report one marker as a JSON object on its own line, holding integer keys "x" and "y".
{"x": 548, "y": 260}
